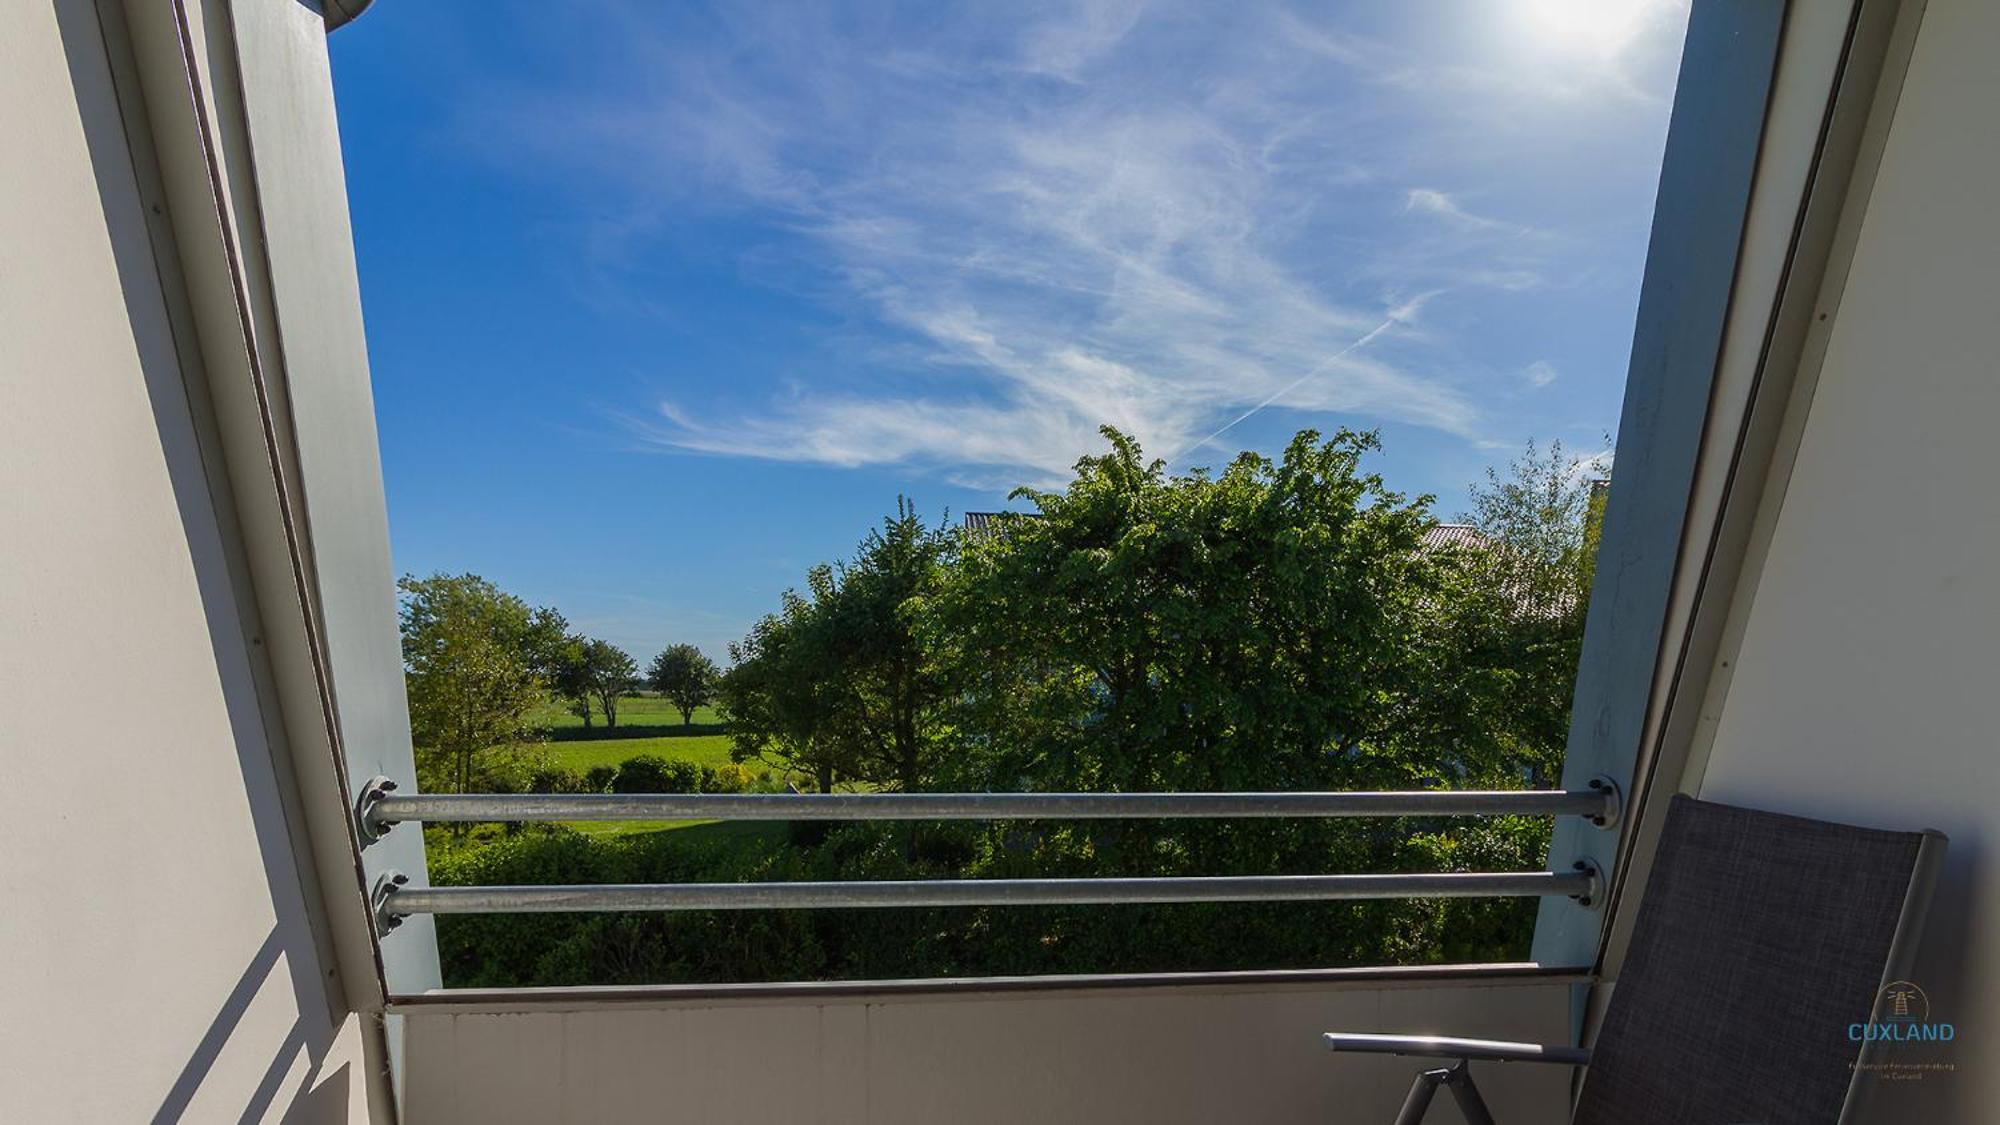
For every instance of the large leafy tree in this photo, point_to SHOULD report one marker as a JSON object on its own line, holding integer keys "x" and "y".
{"x": 838, "y": 684}
{"x": 784, "y": 694}
{"x": 686, "y": 677}
{"x": 1261, "y": 628}
{"x": 470, "y": 657}
{"x": 1258, "y": 628}
{"x": 895, "y": 687}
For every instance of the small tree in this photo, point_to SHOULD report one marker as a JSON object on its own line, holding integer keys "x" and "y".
{"x": 897, "y": 687}
{"x": 787, "y": 701}
{"x": 686, "y": 677}
{"x": 839, "y": 683}
{"x": 1524, "y": 596}
{"x": 468, "y": 659}
{"x": 546, "y": 643}
{"x": 611, "y": 675}
{"x": 1544, "y": 514}
{"x": 592, "y": 671}
{"x": 568, "y": 677}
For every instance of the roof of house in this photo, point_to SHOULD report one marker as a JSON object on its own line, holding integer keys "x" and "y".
{"x": 1453, "y": 535}
{"x": 986, "y": 523}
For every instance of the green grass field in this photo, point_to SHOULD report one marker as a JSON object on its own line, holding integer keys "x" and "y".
{"x": 702, "y": 749}
{"x": 707, "y": 750}
{"x": 647, "y": 724}
{"x": 643, "y": 715}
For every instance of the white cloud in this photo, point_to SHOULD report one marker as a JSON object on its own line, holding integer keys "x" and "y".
{"x": 1066, "y": 233}
{"x": 1435, "y": 202}
{"x": 1540, "y": 373}
{"x": 1067, "y": 43}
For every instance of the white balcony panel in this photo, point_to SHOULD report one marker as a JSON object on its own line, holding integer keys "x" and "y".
{"x": 1239, "y": 1053}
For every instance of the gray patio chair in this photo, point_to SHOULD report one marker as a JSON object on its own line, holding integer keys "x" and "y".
{"x": 1759, "y": 940}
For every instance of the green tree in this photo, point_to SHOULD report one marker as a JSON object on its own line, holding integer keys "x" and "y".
{"x": 1281, "y": 624}
{"x": 588, "y": 671}
{"x": 569, "y": 678}
{"x": 1544, "y": 514}
{"x": 686, "y": 677}
{"x": 1528, "y": 589}
{"x": 545, "y": 643}
{"x": 838, "y": 684}
{"x": 611, "y": 675}
{"x": 784, "y": 694}
{"x": 469, "y": 668}
{"x": 1258, "y": 628}
{"x": 895, "y": 687}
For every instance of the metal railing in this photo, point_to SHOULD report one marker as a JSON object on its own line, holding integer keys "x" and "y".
{"x": 381, "y": 808}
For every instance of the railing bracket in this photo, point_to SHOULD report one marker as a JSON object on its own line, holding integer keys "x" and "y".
{"x": 387, "y": 917}
{"x": 1614, "y": 802}
{"x": 368, "y": 823}
{"x": 1594, "y": 893}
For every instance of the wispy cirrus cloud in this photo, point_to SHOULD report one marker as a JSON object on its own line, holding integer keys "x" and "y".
{"x": 1166, "y": 219}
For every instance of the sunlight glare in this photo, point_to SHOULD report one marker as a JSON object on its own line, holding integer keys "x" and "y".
{"x": 1598, "y": 27}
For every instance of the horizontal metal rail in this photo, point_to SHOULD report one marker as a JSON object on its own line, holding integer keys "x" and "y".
{"x": 387, "y": 808}
{"x": 402, "y": 900}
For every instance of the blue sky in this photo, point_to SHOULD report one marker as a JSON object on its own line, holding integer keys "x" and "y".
{"x": 668, "y": 302}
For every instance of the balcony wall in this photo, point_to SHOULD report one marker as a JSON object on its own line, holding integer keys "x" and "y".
{"x": 1240, "y": 1053}
{"x": 1858, "y": 678}
{"x": 159, "y": 957}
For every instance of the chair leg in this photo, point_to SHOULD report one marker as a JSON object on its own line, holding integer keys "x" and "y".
{"x": 1458, "y": 1076}
{"x": 1419, "y": 1101}
{"x": 1470, "y": 1104}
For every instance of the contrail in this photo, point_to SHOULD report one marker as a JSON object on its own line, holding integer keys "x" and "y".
{"x": 1396, "y": 316}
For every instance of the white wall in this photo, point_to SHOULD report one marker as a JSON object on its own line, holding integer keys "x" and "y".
{"x": 1862, "y": 684}
{"x": 1159, "y": 1055}
{"x": 157, "y": 955}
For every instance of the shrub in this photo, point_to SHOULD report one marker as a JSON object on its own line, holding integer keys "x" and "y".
{"x": 729, "y": 779}
{"x": 598, "y": 779}
{"x": 557, "y": 779}
{"x": 649, "y": 773}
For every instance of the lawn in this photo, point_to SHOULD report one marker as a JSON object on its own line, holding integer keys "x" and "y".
{"x": 701, "y": 749}
{"x": 641, "y": 715}
{"x": 647, "y": 724}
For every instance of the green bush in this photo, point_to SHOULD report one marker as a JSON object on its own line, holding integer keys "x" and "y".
{"x": 732, "y": 778}
{"x": 649, "y": 773}
{"x": 557, "y": 779}
{"x": 598, "y": 779}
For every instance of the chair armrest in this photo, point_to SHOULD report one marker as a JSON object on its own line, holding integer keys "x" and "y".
{"x": 1447, "y": 1048}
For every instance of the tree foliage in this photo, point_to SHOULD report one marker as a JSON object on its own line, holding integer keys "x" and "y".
{"x": 1282, "y": 624}
{"x": 610, "y": 674}
{"x": 1263, "y": 628}
{"x": 470, "y": 656}
{"x": 783, "y": 696}
{"x": 686, "y": 677}
{"x": 1541, "y": 519}
{"x": 836, "y": 684}
{"x": 588, "y": 671}
{"x": 1544, "y": 513}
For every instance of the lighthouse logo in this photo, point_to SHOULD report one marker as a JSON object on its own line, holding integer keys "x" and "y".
{"x": 1902, "y": 1015}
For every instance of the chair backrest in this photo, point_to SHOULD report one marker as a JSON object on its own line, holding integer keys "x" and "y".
{"x": 1761, "y": 938}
